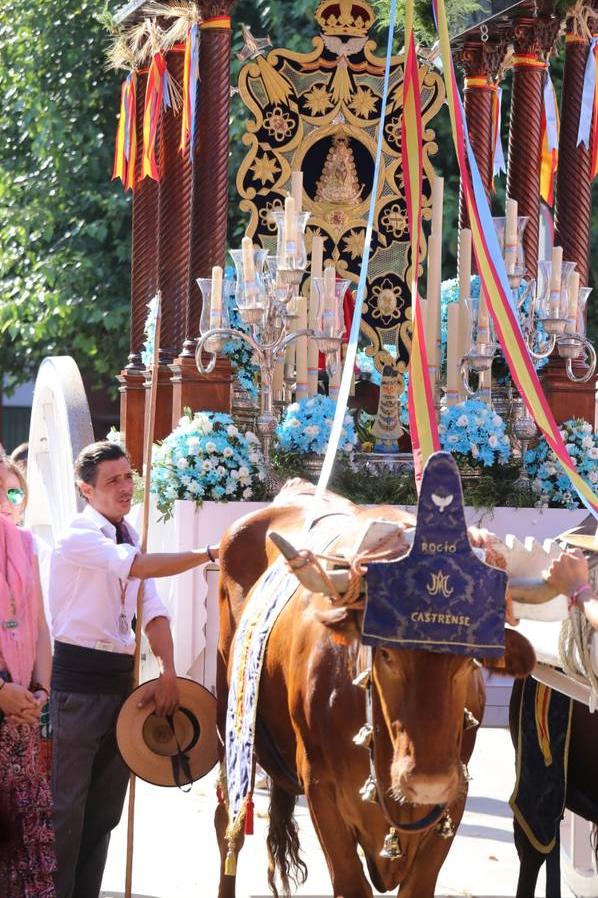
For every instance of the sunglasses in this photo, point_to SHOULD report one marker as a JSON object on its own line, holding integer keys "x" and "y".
{"x": 15, "y": 495}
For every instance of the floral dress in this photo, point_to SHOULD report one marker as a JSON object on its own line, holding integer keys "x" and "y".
{"x": 26, "y": 838}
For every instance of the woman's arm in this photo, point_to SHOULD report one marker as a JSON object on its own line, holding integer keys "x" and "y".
{"x": 42, "y": 667}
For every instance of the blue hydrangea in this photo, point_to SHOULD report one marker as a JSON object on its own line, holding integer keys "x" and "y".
{"x": 549, "y": 480}
{"x": 206, "y": 458}
{"x": 237, "y": 350}
{"x": 306, "y": 426}
{"x": 473, "y": 430}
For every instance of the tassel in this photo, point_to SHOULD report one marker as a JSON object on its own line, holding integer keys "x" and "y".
{"x": 154, "y": 101}
{"x": 363, "y": 679}
{"x": 230, "y": 864}
{"x": 594, "y": 168}
{"x": 550, "y": 142}
{"x": 392, "y": 850}
{"x": 219, "y": 794}
{"x": 469, "y": 721}
{"x": 364, "y": 737}
{"x": 120, "y": 162}
{"x": 498, "y": 153}
{"x": 125, "y": 151}
{"x": 249, "y": 817}
{"x": 341, "y": 83}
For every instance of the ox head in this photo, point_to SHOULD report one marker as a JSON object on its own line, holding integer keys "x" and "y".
{"x": 421, "y": 701}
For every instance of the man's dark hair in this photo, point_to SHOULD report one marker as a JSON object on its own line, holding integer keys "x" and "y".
{"x": 86, "y": 465}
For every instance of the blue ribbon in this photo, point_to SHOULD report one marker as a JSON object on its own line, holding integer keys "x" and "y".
{"x": 587, "y": 98}
{"x": 351, "y": 354}
{"x": 499, "y": 155}
{"x": 552, "y": 134}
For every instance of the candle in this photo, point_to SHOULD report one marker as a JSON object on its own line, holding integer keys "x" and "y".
{"x": 555, "y": 281}
{"x": 297, "y": 189}
{"x": 248, "y": 265}
{"x": 216, "y": 298}
{"x": 433, "y": 315}
{"x": 329, "y": 299}
{"x": 464, "y": 263}
{"x": 462, "y": 345}
{"x": 483, "y": 335}
{"x": 453, "y": 377}
{"x": 301, "y": 353}
{"x": 572, "y": 304}
{"x": 317, "y": 256}
{"x": 278, "y": 380}
{"x": 290, "y": 227}
{"x": 437, "y": 204}
{"x": 511, "y": 235}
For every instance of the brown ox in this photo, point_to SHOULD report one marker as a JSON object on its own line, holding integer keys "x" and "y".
{"x": 309, "y": 710}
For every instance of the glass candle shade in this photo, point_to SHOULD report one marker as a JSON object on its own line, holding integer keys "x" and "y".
{"x": 250, "y": 298}
{"x": 514, "y": 256}
{"x": 291, "y": 254}
{"x": 330, "y": 316}
{"x": 481, "y": 340}
{"x": 553, "y": 303}
{"x": 212, "y": 318}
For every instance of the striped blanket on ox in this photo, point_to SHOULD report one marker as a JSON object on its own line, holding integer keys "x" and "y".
{"x": 268, "y": 598}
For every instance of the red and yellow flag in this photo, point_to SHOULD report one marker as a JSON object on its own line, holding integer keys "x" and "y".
{"x": 156, "y": 96}
{"x": 125, "y": 151}
{"x": 190, "y": 85}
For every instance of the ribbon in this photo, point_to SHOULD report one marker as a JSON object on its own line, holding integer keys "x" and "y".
{"x": 594, "y": 160}
{"x": 498, "y": 165}
{"x": 125, "y": 150}
{"x": 493, "y": 274}
{"x": 190, "y": 83}
{"x": 588, "y": 98}
{"x": 422, "y": 416}
{"x": 351, "y": 354}
{"x": 157, "y": 97}
{"x": 550, "y": 141}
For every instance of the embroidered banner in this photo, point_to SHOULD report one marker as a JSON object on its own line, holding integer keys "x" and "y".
{"x": 493, "y": 274}
{"x": 440, "y": 597}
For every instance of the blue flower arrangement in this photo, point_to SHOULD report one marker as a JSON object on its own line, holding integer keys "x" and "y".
{"x": 549, "y": 480}
{"x": 206, "y": 458}
{"x": 306, "y": 427}
{"x": 472, "y": 429}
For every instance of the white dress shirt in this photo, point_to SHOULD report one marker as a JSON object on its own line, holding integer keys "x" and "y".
{"x": 87, "y": 569}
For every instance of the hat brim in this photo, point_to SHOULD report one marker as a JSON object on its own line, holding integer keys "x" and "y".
{"x": 581, "y": 541}
{"x": 147, "y": 764}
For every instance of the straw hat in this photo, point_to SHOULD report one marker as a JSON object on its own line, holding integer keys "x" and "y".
{"x": 583, "y": 537}
{"x": 173, "y": 751}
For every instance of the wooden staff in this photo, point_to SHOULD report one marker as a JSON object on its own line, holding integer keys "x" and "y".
{"x": 150, "y": 421}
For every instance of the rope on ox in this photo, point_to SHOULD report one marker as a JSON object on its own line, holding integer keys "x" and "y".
{"x": 575, "y": 652}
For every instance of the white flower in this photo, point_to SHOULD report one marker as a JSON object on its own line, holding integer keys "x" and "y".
{"x": 462, "y": 421}
{"x": 586, "y": 427}
{"x": 232, "y": 431}
{"x": 193, "y": 444}
{"x": 587, "y": 442}
{"x": 593, "y": 453}
{"x": 497, "y": 420}
{"x": 310, "y": 403}
{"x": 221, "y": 470}
{"x": 206, "y": 465}
{"x": 251, "y": 437}
{"x": 493, "y": 441}
{"x": 453, "y": 438}
{"x": 247, "y": 494}
{"x": 234, "y": 474}
{"x": 227, "y": 452}
{"x": 312, "y": 430}
{"x": 210, "y": 446}
{"x": 348, "y": 447}
{"x": 243, "y": 471}
{"x": 294, "y": 423}
{"x": 478, "y": 421}
{"x": 347, "y": 419}
{"x": 293, "y": 408}
{"x": 475, "y": 450}
{"x": 182, "y": 463}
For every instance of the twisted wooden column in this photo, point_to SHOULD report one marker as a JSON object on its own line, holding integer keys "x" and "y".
{"x": 573, "y": 210}
{"x": 573, "y": 214}
{"x": 209, "y": 208}
{"x": 144, "y": 282}
{"x": 533, "y": 39}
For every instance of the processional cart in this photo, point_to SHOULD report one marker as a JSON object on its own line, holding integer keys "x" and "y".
{"x": 339, "y": 225}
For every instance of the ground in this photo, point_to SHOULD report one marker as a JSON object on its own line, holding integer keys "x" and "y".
{"x": 176, "y": 855}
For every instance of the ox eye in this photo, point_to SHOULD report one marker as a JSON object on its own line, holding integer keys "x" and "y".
{"x": 386, "y": 655}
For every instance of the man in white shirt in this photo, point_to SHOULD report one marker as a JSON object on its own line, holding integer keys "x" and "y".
{"x": 95, "y": 575}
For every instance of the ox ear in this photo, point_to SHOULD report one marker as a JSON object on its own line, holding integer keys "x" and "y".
{"x": 343, "y": 622}
{"x": 519, "y": 658}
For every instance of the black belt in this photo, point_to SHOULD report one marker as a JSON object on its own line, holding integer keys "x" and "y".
{"x": 79, "y": 669}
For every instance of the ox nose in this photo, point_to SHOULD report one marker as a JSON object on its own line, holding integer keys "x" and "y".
{"x": 431, "y": 788}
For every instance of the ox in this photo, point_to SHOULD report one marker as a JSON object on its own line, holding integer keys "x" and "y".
{"x": 309, "y": 711}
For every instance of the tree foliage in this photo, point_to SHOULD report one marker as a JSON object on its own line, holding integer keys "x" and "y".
{"x": 64, "y": 228}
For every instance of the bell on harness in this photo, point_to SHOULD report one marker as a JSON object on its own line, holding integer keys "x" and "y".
{"x": 392, "y": 850}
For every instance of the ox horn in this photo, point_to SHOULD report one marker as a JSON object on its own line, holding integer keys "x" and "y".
{"x": 310, "y": 575}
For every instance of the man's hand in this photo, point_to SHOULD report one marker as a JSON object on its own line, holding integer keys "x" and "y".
{"x": 479, "y": 537}
{"x": 569, "y": 572}
{"x": 164, "y": 693}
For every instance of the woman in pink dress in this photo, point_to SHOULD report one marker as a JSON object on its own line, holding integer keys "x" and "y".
{"x": 26, "y": 840}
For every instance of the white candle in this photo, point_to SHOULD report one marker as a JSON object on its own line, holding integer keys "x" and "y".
{"x": 452, "y": 352}
{"x": 511, "y": 235}
{"x": 462, "y": 345}
{"x": 317, "y": 257}
{"x": 248, "y": 263}
{"x": 433, "y": 316}
{"x": 464, "y": 263}
{"x": 301, "y": 352}
{"x": 297, "y": 189}
{"x": 216, "y": 298}
{"x": 278, "y": 379}
{"x": 555, "y": 281}
{"x": 329, "y": 291}
{"x": 572, "y": 304}
{"x": 437, "y": 204}
{"x": 290, "y": 227}
{"x": 483, "y": 336}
